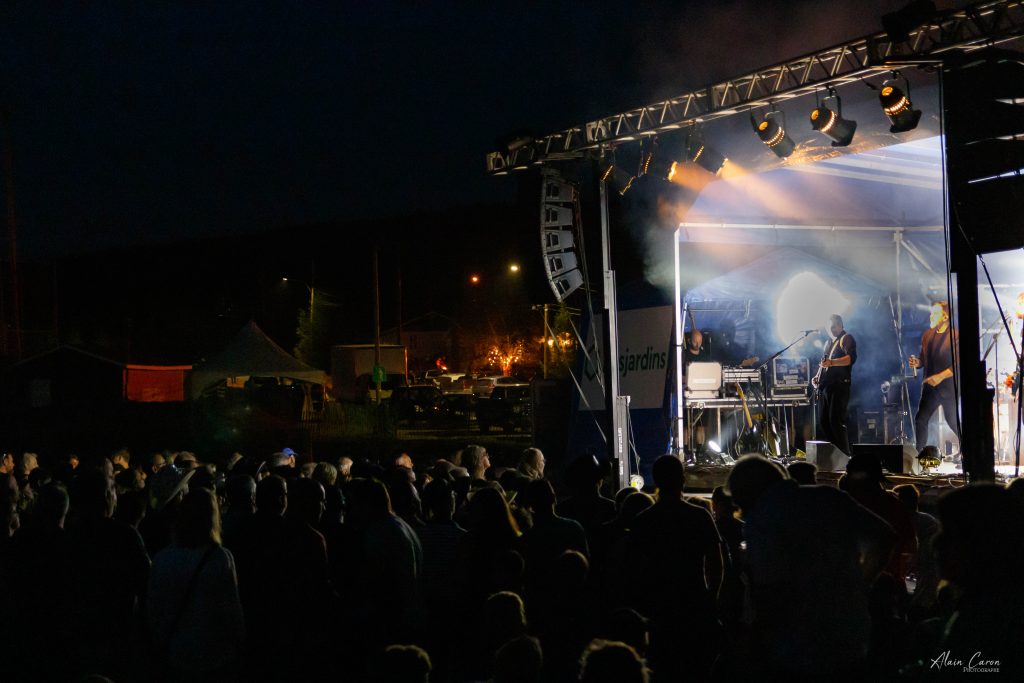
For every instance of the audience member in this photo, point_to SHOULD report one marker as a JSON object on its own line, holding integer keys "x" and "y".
{"x": 519, "y": 660}
{"x": 611, "y": 662}
{"x": 585, "y": 503}
{"x": 401, "y": 664}
{"x": 677, "y": 572}
{"x": 166, "y": 489}
{"x": 110, "y": 569}
{"x": 803, "y": 473}
{"x": 386, "y": 585}
{"x": 531, "y": 463}
{"x": 476, "y": 460}
{"x": 492, "y": 530}
{"x": 38, "y": 592}
{"x": 241, "y": 506}
{"x": 812, "y": 552}
{"x": 192, "y": 605}
{"x": 981, "y": 552}
{"x": 864, "y": 484}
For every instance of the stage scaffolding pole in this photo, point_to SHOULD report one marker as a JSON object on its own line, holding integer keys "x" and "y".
{"x": 616, "y": 406}
{"x": 680, "y": 317}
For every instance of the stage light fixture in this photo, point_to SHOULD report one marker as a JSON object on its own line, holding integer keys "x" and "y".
{"x": 656, "y": 164}
{"x": 621, "y": 180}
{"x": 708, "y": 158}
{"x": 831, "y": 122}
{"x": 897, "y": 105}
{"x": 773, "y": 133}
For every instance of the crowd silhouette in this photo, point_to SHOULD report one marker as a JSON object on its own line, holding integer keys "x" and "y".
{"x": 166, "y": 568}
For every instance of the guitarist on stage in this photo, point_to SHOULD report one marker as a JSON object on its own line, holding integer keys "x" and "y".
{"x": 833, "y": 384}
{"x": 936, "y": 360}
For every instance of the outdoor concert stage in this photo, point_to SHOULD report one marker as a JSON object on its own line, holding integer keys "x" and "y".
{"x": 867, "y": 181}
{"x": 767, "y": 250}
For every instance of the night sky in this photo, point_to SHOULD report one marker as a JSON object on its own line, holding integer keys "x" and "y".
{"x": 135, "y": 123}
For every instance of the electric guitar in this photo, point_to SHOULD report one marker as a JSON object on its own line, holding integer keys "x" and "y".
{"x": 816, "y": 380}
{"x": 747, "y": 441}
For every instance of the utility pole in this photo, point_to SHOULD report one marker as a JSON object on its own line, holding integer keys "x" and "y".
{"x": 546, "y": 338}
{"x": 312, "y": 295}
{"x": 12, "y": 230}
{"x": 376, "y": 326}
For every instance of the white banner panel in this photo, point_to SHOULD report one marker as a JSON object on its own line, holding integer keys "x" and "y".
{"x": 645, "y": 335}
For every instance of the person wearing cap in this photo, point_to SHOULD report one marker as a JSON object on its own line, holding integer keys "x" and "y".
{"x": 833, "y": 381}
{"x": 864, "y": 483}
{"x": 283, "y": 464}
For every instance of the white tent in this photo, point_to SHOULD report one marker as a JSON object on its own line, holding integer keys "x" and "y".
{"x": 250, "y": 353}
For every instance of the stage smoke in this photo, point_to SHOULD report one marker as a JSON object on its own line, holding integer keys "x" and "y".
{"x": 805, "y": 303}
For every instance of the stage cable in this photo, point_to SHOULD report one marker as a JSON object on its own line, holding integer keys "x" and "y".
{"x": 578, "y": 225}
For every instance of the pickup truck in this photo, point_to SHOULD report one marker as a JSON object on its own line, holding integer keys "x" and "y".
{"x": 510, "y": 406}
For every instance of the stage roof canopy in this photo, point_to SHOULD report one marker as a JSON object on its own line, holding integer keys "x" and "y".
{"x": 855, "y": 199}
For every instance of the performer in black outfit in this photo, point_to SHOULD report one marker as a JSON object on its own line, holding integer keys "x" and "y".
{"x": 937, "y": 363}
{"x": 696, "y": 352}
{"x": 834, "y": 384}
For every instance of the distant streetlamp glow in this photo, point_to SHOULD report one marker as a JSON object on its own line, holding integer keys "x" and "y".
{"x": 514, "y": 268}
{"x": 474, "y": 279}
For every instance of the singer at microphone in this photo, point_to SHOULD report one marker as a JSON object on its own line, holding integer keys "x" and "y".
{"x": 833, "y": 382}
{"x": 936, "y": 362}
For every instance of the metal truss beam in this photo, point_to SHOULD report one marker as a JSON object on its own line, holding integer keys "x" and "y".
{"x": 978, "y": 25}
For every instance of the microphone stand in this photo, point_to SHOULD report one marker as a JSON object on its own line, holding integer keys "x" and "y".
{"x": 763, "y": 371}
{"x": 904, "y": 390}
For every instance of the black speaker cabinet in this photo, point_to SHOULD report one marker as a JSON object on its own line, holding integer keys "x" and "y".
{"x": 890, "y": 455}
{"x": 826, "y": 456}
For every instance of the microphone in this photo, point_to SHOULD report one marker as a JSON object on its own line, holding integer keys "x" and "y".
{"x": 811, "y": 331}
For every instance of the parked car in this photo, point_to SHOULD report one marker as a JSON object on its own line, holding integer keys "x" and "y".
{"x": 459, "y": 408}
{"x": 483, "y": 386}
{"x": 509, "y": 406}
{"x": 418, "y": 404}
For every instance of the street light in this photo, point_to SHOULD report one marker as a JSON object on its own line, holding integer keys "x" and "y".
{"x": 513, "y": 268}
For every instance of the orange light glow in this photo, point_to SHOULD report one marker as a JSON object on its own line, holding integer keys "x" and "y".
{"x": 506, "y": 357}
{"x": 1020, "y": 306}
{"x": 474, "y": 279}
{"x": 514, "y": 268}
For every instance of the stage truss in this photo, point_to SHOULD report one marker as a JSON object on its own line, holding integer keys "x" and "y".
{"x": 976, "y": 26}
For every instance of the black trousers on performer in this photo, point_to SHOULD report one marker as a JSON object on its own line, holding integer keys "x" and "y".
{"x": 931, "y": 398}
{"x": 832, "y": 412}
